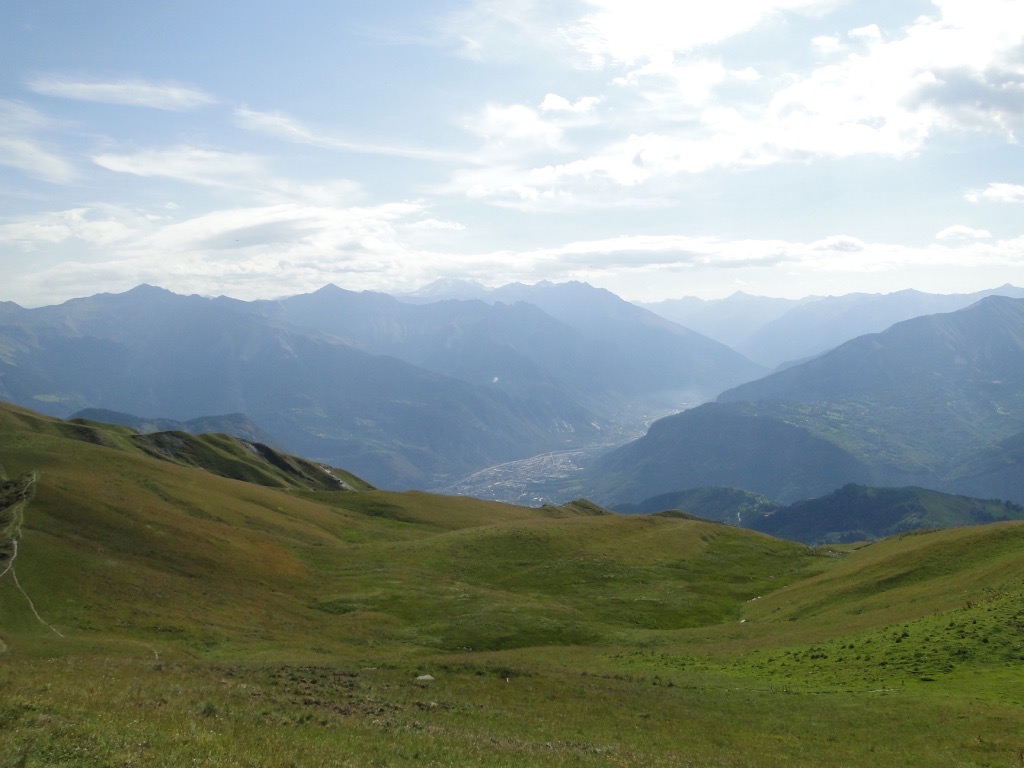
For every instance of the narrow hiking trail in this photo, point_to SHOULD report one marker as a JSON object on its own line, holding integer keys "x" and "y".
{"x": 18, "y": 494}
{"x": 13, "y": 502}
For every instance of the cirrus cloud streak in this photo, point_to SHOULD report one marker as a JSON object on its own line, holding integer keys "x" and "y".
{"x": 137, "y": 93}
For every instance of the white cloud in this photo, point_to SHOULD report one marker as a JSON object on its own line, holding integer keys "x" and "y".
{"x": 288, "y": 229}
{"x": 231, "y": 229}
{"x": 515, "y": 124}
{"x": 969, "y": 65}
{"x": 676, "y": 111}
{"x": 870, "y": 34}
{"x": 997, "y": 192}
{"x": 883, "y": 93}
{"x": 827, "y": 44}
{"x": 91, "y": 226}
{"x": 196, "y": 166}
{"x": 21, "y": 147}
{"x": 19, "y": 118}
{"x": 138, "y": 93}
{"x": 280, "y": 125}
{"x": 327, "y": 194}
{"x": 667, "y": 82}
{"x": 747, "y": 74}
{"x": 500, "y": 29}
{"x": 434, "y": 225}
{"x": 247, "y": 252}
{"x": 265, "y": 251}
{"x": 284, "y": 127}
{"x": 960, "y": 232}
{"x": 244, "y": 173}
{"x": 633, "y": 32}
{"x": 656, "y": 260}
{"x": 554, "y": 103}
{"x": 30, "y": 156}
{"x": 839, "y": 244}
{"x": 500, "y": 183}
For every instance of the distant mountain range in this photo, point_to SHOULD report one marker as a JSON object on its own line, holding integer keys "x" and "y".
{"x": 627, "y": 349}
{"x": 936, "y": 401}
{"x": 405, "y": 395}
{"x": 561, "y": 340}
{"x": 775, "y": 332}
{"x": 426, "y": 389}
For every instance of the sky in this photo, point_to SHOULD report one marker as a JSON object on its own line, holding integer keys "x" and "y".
{"x": 657, "y": 149}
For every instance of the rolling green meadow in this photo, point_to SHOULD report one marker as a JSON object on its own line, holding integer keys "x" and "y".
{"x": 207, "y": 604}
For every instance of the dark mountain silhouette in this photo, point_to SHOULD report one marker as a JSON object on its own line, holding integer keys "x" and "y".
{"x": 858, "y": 513}
{"x": 724, "y": 445}
{"x": 928, "y": 402}
{"x": 851, "y": 513}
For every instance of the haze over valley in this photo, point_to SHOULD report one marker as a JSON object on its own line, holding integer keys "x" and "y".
{"x": 521, "y": 393}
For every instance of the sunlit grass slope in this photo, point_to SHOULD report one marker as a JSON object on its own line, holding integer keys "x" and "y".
{"x": 153, "y": 612}
{"x": 119, "y": 543}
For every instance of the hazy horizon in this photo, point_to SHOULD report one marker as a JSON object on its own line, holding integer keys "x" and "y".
{"x": 412, "y": 291}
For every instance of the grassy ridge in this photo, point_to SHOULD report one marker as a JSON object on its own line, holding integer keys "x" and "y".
{"x": 206, "y": 619}
{"x": 162, "y": 551}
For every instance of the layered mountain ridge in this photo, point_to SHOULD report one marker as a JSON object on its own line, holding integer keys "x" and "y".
{"x": 776, "y": 332}
{"x": 406, "y": 395}
{"x": 935, "y": 401}
{"x": 426, "y": 391}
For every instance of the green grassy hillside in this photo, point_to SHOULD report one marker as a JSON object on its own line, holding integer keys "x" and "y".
{"x": 152, "y": 535}
{"x": 153, "y": 613}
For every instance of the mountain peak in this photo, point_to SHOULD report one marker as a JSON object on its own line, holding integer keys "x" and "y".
{"x": 142, "y": 293}
{"x": 330, "y": 289}
{"x": 145, "y": 289}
